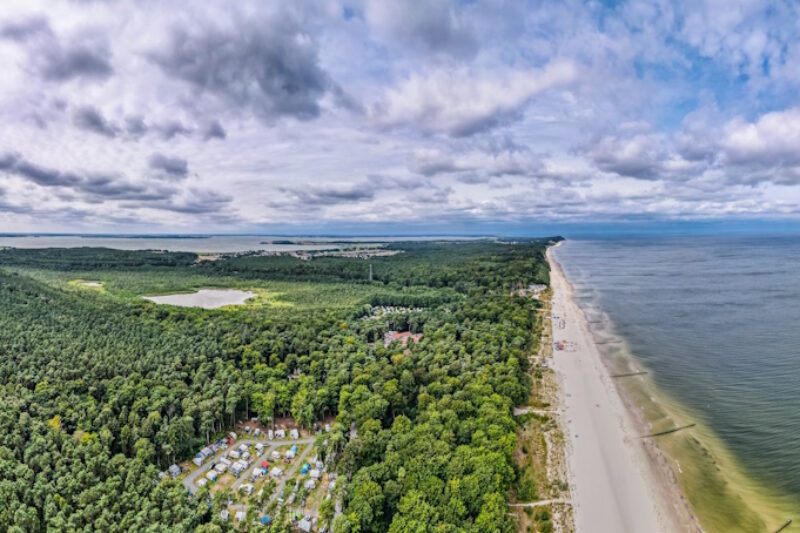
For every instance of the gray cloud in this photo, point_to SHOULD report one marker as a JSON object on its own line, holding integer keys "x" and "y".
{"x": 269, "y": 67}
{"x": 331, "y": 195}
{"x": 171, "y": 128}
{"x": 439, "y": 28}
{"x": 57, "y": 59}
{"x": 91, "y": 119}
{"x": 46, "y": 177}
{"x": 22, "y": 30}
{"x": 173, "y": 167}
{"x": 214, "y": 130}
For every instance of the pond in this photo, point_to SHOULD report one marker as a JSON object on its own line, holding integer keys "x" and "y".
{"x": 205, "y": 298}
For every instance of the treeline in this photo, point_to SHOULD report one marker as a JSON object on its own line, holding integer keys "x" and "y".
{"x": 99, "y": 394}
{"x": 73, "y": 259}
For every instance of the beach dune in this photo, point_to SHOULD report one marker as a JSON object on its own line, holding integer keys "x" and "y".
{"x": 613, "y": 484}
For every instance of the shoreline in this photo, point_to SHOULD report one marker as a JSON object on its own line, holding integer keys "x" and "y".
{"x": 701, "y": 477}
{"x": 618, "y": 481}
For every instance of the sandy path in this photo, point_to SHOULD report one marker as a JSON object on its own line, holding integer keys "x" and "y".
{"x": 614, "y": 489}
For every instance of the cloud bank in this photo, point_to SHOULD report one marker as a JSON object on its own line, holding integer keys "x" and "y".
{"x": 124, "y": 116}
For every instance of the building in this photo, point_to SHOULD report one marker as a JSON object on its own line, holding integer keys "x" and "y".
{"x": 202, "y": 482}
{"x": 280, "y": 434}
{"x": 224, "y": 514}
{"x": 402, "y": 336}
{"x": 294, "y": 434}
{"x": 247, "y": 488}
{"x": 259, "y": 448}
{"x": 220, "y": 467}
{"x": 310, "y": 484}
{"x": 270, "y": 434}
{"x": 315, "y": 473}
{"x": 174, "y": 471}
{"x": 304, "y": 525}
{"x": 198, "y": 461}
{"x": 276, "y": 472}
{"x": 240, "y": 515}
{"x": 211, "y": 475}
{"x": 205, "y": 452}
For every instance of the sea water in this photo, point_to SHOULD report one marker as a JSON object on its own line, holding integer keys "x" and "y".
{"x": 716, "y": 322}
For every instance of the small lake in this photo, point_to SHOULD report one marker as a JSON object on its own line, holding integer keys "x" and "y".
{"x": 205, "y": 298}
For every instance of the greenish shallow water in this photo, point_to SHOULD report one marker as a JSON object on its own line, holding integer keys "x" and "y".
{"x": 716, "y": 321}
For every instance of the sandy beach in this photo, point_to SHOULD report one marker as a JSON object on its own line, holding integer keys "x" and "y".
{"x": 615, "y": 481}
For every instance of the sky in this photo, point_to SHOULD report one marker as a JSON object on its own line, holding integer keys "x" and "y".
{"x": 370, "y": 116}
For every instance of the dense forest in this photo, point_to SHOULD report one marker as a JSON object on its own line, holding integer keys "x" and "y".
{"x": 100, "y": 392}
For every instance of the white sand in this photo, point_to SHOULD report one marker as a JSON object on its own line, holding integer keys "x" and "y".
{"x": 205, "y": 298}
{"x": 614, "y": 486}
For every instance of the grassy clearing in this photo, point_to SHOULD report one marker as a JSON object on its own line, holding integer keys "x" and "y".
{"x": 539, "y": 456}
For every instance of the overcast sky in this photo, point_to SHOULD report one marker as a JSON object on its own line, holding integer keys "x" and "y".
{"x": 272, "y": 116}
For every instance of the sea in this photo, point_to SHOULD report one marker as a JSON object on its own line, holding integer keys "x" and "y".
{"x": 715, "y": 321}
